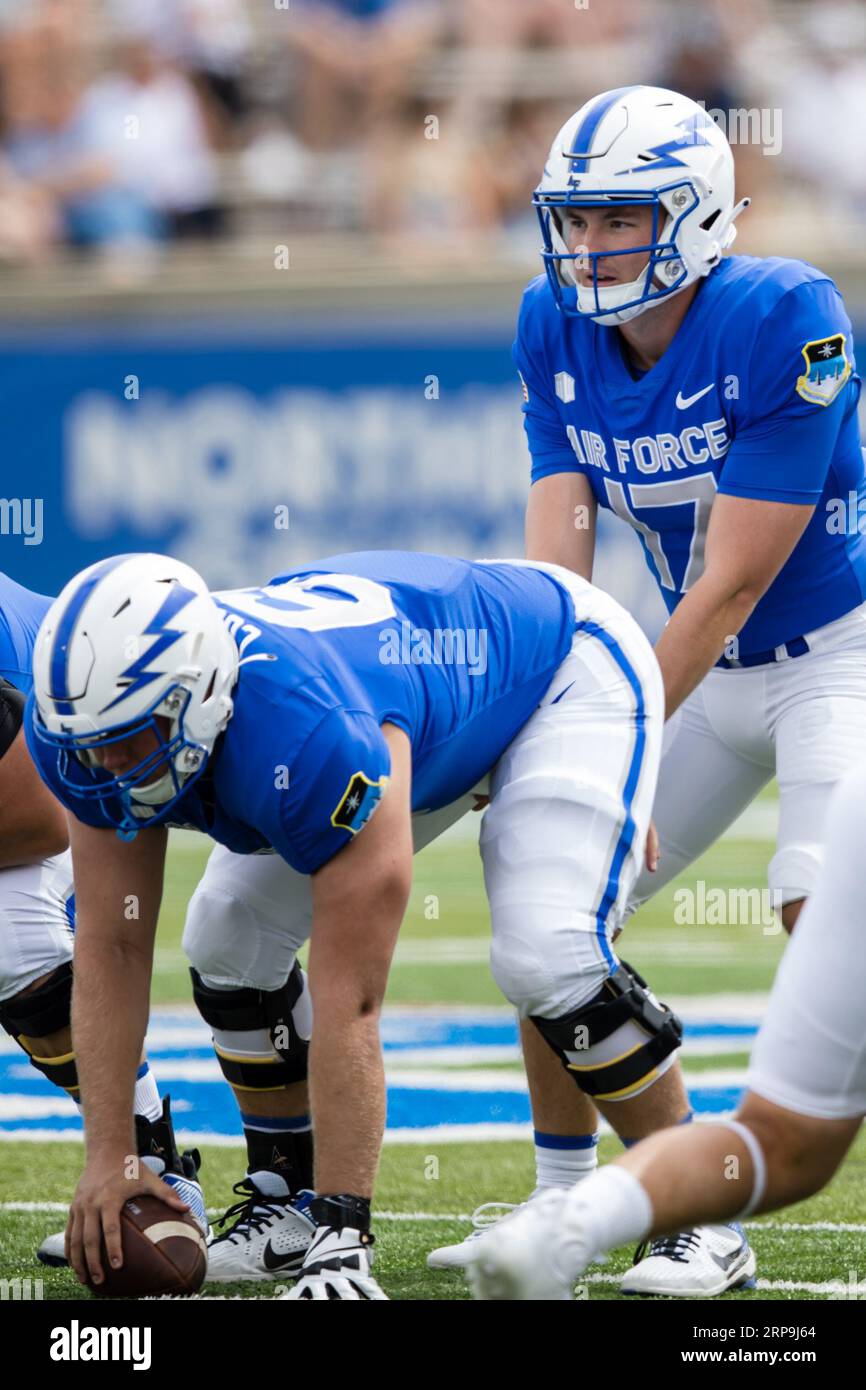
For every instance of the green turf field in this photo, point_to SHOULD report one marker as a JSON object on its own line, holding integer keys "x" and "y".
{"x": 808, "y": 1251}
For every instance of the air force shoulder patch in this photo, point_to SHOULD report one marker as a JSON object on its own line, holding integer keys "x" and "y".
{"x": 827, "y": 370}
{"x": 358, "y": 802}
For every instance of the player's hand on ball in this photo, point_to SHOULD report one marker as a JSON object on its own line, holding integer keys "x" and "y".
{"x": 95, "y": 1212}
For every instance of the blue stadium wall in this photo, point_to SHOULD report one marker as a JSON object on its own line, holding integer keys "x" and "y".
{"x": 246, "y": 447}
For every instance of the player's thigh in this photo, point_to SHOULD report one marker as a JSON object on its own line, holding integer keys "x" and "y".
{"x": 810, "y": 1054}
{"x": 247, "y": 919}
{"x": 36, "y": 934}
{"x": 820, "y": 736}
{"x": 566, "y": 827}
{"x": 717, "y": 754}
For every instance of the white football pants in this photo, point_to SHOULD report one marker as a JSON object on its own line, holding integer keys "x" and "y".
{"x": 810, "y": 1054}
{"x": 803, "y": 718}
{"x": 35, "y": 928}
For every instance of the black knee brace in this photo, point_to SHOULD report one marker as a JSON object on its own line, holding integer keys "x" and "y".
{"x": 248, "y": 1010}
{"x": 38, "y": 1014}
{"x": 623, "y": 998}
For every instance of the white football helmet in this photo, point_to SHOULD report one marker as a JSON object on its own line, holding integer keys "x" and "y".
{"x": 648, "y": 146}
{"x": 130, "y": 638}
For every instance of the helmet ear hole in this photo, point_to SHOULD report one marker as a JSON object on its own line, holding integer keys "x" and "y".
{"x": 708, "y": 221}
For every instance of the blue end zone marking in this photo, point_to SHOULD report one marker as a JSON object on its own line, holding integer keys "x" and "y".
{"x": 210, "y": 1107}
{"x": 31, "y": 1103}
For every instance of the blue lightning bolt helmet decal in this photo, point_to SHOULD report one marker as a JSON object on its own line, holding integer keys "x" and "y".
{"x": 663, "y": 155}
{"x": 137, "y": 674}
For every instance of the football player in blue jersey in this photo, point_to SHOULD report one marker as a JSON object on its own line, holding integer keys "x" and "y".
{"x": 711, "y": 404}
{"x": 315, "y": 729}
{"x": 37, "y": 914}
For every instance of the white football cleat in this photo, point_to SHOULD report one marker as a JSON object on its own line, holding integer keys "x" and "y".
{"x": 338, "y": 1269}
{"x": 534, "y": 1254}
{"x": 693, "y": 1264}
{"x": 269, "y": 1236}
{"x": 484, "y": 1218}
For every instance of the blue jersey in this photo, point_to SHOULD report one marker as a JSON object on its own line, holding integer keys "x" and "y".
{"x": 755, "y": 397}
{"x": 458, "y": 655}
{"x": 21, "y": 612}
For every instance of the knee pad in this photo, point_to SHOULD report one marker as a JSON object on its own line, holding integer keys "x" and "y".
{"x": 618, "y": 1043}
{"x": 261, "y": 1037}
{"x": 39, "y": 1013}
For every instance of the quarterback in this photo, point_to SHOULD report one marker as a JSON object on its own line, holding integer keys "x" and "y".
{"x": 710, "y": 403}
{"x": 277, "y": 721}
{"x": 37, "y": 917}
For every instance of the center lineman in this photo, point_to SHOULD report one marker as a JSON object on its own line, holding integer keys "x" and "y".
{"x": 310, "y": 727}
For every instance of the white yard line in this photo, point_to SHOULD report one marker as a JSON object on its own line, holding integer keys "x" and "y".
{"x": 829, "y": 1286}
{"x": 852, "y": 1227}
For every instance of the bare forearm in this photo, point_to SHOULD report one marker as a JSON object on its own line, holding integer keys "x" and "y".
{"x": 109, "y": 1020}
{"x": 560, "y": 523}
{"x": 347, "y": 1095}
{"x": 695, "y": 637}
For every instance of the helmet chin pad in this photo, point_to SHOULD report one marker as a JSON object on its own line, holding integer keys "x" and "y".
{"x": 154, "y": 793}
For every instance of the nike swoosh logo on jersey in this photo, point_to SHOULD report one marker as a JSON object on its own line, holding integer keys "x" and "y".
{"x": 292, "y": 1261}
{"x": 683, "y": 402}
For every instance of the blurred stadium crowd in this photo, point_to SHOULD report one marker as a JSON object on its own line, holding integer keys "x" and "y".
{"x": 138, "y": 123}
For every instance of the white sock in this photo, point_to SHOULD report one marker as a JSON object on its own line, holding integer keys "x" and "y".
{"x": 146, "y": 1100}
{"x": 563, "y": 1160}
{"x": 612, "y": 1208}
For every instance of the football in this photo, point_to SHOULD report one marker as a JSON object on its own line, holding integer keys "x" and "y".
{"x": 164, "y": 1252}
